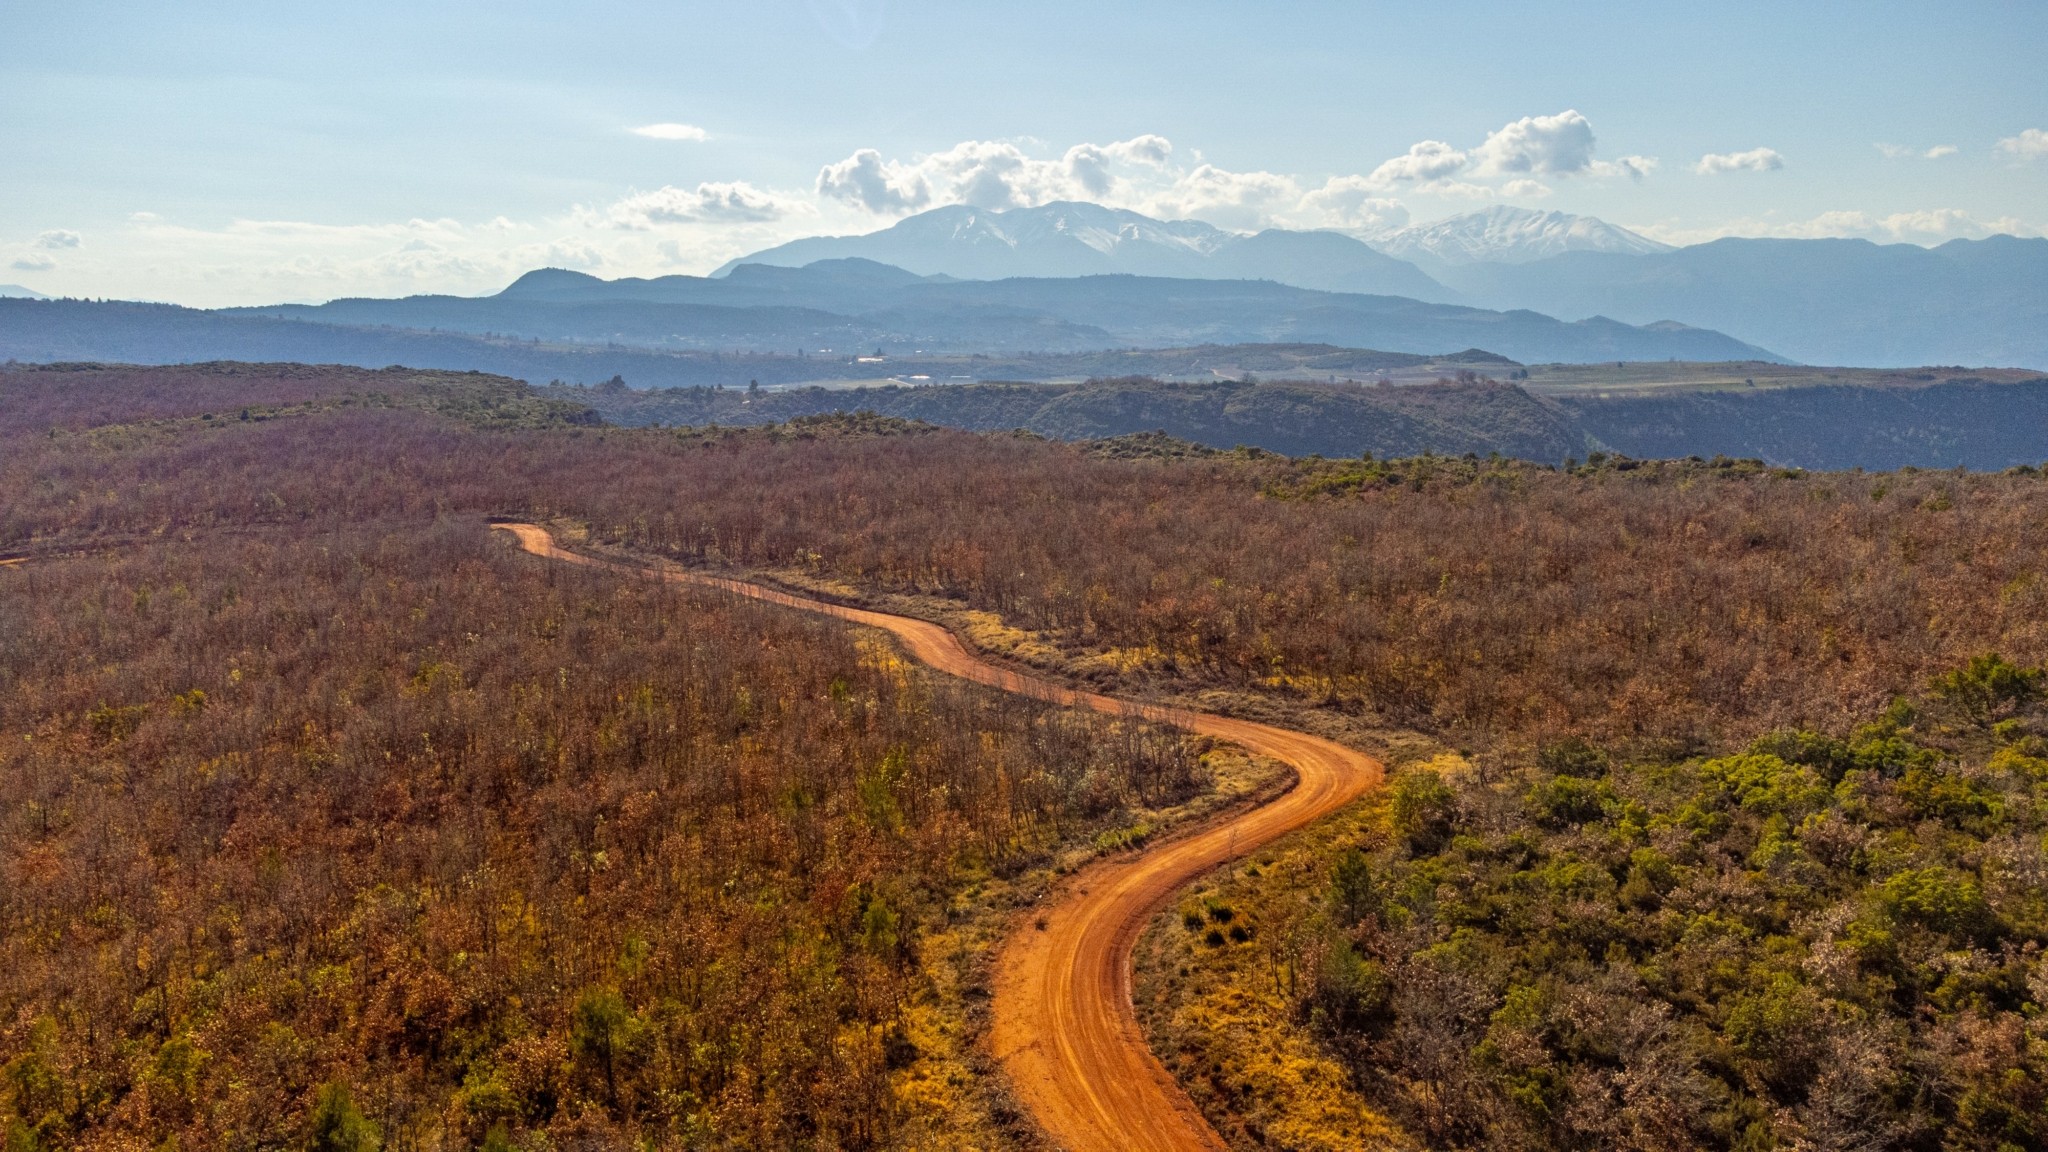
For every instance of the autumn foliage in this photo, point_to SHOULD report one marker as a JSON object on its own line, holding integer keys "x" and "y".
{"x": 322, "y": 810}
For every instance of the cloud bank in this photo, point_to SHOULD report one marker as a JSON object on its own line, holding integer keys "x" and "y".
{"x": 1145, "y": 174}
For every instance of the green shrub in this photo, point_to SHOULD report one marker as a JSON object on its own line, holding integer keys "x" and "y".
{"x": 1988, "y": 686}
{"x": 1425, "y": 810}
{"x": 1562, "y": 801}
{"x": 337, "y": 1126}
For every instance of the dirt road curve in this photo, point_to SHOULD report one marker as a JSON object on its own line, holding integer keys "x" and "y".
{"x": 1064, "y": 1028}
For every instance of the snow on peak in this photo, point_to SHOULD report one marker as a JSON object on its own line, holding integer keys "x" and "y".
{"x": 1508, "y": 235}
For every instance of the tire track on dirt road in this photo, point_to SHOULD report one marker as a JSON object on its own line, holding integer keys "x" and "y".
{"x": 1063, "y": 1026}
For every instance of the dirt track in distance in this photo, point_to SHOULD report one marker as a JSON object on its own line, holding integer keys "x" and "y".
{"x": 1063, "y": 1025}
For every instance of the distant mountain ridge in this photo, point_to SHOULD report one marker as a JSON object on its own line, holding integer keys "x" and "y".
{"x": 1504, "y": 234}
{"x": 1826, "y": 301}
{"x": 835, "y": 301}
{"x": 17, "y": 292}
{"x": 1068, "y": 239}
{"x": 1832, "y": 301}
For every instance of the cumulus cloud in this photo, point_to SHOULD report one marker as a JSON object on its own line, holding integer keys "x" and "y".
{"x": 1521, "y": 151}
{"x": 144, "y": 217}
{"x": 2029, "y": 144}
{"x": 1245, "y": 200}
{"x": 59, "y": 238}
{"x": 1754, "y": 160}
{"x": 1427, "y": 162}
{"x": 994, "y": 174}
{"x": 34, "y": 262}
{"x": 671, "y": 132}
{"x": 1560, "y": 145}
{"x": 1633, "y": 167}
{"x": 1940, "y": 150}
{"x": 1351, "y": 203}
{"x": 885, "y": 188}
{"x": 1090, "y": 165}
{"x": 733, "y": 202}
{"x": 569, "y": 252}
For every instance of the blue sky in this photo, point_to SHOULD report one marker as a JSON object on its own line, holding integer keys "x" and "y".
{"x": 223, "y": 151}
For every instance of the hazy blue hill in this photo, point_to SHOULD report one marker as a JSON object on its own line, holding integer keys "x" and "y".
{"x": 840, "y": 285}
{"x": 1330, "y": 261}
{"x": 1169, "y": 312}
{"x": 854, "y": 302}
{"x": 77, "y": 330}
{"x": 1817, "y": 301}
{"x": 1067, "y": 239}
{"x": 17, "y": 292}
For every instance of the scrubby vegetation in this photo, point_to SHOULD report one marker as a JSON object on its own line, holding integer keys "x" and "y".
{"x": 1457, "y": 414}
{"x": 322, "y": 816}
{"x": 1813, "y": 941}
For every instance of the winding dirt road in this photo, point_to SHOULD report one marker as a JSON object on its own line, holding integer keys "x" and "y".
{"x": 1063, "y": 1024}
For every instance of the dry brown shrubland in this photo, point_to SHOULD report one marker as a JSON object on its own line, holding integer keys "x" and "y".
{"x": 495, "y": 842}
{"x": 1483, "y": 599}
{"x": 303, "y": 780}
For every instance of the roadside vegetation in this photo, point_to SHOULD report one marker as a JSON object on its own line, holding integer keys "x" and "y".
{"x": 1815, "y": 940}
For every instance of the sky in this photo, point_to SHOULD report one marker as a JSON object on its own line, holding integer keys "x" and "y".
{"x": 219, "y": 152}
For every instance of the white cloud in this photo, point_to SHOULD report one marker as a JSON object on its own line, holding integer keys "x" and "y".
{"x": 1425, "y": 162}
{"x": 1521, "y": 151}
{"x": 734, "y": 202}
{"x": 863, "y": 179}
{"x": 1560, "y": 145}
{"x": 1901, "y": 152}
{"x": 1242, "y": 200}
{"x": 1090, "y": 165}
{"x": 1633, "y": 167}
{"x": 59, "y": 238}
{"x": 1754, "y": 160}
{"x": 569, "y": 252}
{"x": 34, "y": 262}
{"x": 1348, "y": 202}
{"x": 144, "y": 217}
{"x": 671, "y": 132}
{"x": 998, "y": 174}
{"x": 2029, "y": 144}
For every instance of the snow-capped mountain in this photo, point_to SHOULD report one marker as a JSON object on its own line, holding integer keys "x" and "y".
{"x": 1066, "y": 238}
{"x": 1507, "y": 235}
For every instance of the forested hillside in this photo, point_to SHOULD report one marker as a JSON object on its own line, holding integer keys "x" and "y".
{"x": 324, "y": 813}
{"x": 1935, "y": 419}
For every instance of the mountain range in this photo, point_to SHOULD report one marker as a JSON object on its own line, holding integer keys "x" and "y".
{"x": 1067, "y": 238}
{"x": 1536, "y": 287}
{"x": 1830, "y": 301}
{"x": 1507, "y": 235}
{"x": 17, "y": 292}
{"x": 838, "y": 304}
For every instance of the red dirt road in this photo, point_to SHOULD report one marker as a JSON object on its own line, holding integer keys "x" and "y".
{"x": 1063, "y": 1025}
